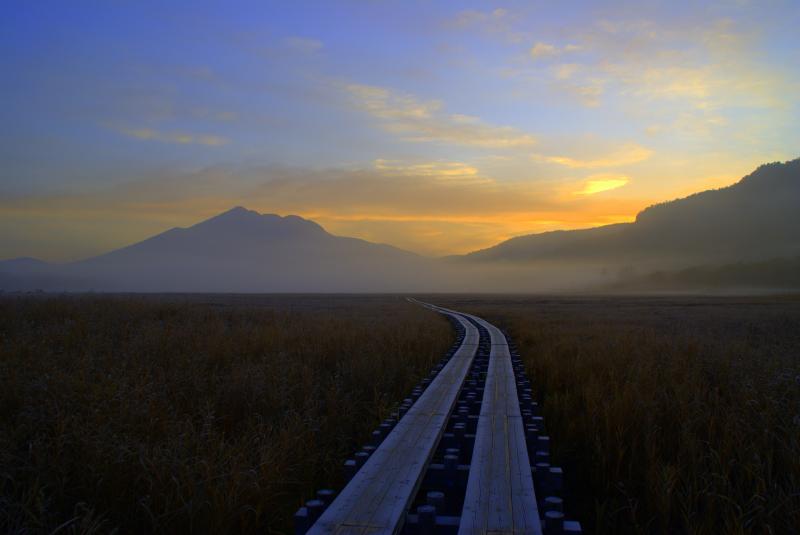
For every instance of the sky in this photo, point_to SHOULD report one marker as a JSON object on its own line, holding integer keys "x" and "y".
{"x": 438, "y": 127}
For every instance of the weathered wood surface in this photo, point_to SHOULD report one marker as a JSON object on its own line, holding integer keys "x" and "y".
{"x": 500, "y": 496}
{"x": 378, "y": 497}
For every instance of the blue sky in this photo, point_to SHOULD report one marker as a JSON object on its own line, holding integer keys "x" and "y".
{"x": 435, "y": 126}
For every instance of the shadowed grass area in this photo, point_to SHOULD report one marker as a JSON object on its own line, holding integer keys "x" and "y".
{"x": 668, "y": 415}
{"x": 193, "y": 414}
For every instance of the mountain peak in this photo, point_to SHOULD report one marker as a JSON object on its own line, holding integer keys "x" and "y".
{"x": 240, "y": 210}
{"x": 777, "y": 182}
{"x": 237, "y": 212}
{"x": 237, "y": 250}
{"x": 242, "y": 220}
{"x": 775, "y": 174}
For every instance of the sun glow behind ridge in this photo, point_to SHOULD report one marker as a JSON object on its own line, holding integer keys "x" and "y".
{"x": 601, "y": 183}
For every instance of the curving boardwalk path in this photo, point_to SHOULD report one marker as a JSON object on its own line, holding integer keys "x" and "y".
{"x": 386, "y": 495}
{"x": 378, "y": 497}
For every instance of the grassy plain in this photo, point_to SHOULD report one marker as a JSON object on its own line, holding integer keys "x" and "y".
{"x": 205, "y": 414}
{"x": 669, "y": 414}
{"x": 221, "y": 413}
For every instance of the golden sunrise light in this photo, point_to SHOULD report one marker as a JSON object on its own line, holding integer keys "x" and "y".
{"x": 472, "y": 125}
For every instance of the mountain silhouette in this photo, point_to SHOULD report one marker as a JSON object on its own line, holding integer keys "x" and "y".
{"x": 757, "y": 218}
{"x": 238, "y": 251}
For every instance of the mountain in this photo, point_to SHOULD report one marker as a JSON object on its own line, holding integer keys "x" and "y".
{"x": 755, "y": 219}
{"x": 747, "y": 232}
{"x": 237, "y": 251}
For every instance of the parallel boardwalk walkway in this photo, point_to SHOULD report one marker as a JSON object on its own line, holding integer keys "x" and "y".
{"x": 378, "y": 497}
{"x": 497, "y": 484}
{"x": 500, "y": 496}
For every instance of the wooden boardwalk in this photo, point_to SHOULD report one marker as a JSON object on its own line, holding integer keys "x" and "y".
{"x": 378, "y": 497}
{"x": 500, "y": 496}
{"x": 497, "y": 485}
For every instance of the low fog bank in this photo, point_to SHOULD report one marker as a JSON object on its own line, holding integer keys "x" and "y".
{"x": 400, "y": 275}
{"x": 298, "y": 273}
{"x": 778, "y": 275}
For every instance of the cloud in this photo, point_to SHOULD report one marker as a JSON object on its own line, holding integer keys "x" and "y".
{"x": 441, "y": 170}
{"x": 425, "y": 121}
{"x": 471, "y": 17}
{"x": 625, "y": 155}
{"x": 602, "y": 182}
{"x": 546, "y": 50}
{"x": 694, "y": 79}
{"x": 180, "y": 138}
{"x": 588, "y": 91}
{"x": 495, "y": 23}
{"x": 711, "y": 65}
{"x": 543, "y": 50}
{"x": 384, "y": 104}
{"x": 565, "y": 71}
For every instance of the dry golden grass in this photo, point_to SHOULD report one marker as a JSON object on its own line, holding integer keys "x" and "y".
{"x": 669, "y": 415}
{"x": 193, "y": 414}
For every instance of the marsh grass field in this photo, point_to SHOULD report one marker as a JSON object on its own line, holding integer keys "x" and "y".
{"x": 668, "y": 414}
{"x": 220, "y": 414}
{"x": 206, "y": 414}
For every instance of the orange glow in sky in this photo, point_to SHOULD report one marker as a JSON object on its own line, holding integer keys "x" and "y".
{"x": 437, "y": 127}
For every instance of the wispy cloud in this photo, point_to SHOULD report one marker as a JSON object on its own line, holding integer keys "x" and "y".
{"x": 442, "y": 170}
{"x": 547, "y": 50}
{"x": 425, "y": 121}
{"x": 703, "y": 72}
{"x": 470, "y": 17}
{"x": 624, "y": 155}
{"x": 497, "y": 22}
{"x": 182, "y": 138}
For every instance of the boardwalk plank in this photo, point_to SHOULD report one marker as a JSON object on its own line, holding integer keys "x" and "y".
{"x": 379, "y": 495}
{"x": 500, "y": 496}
